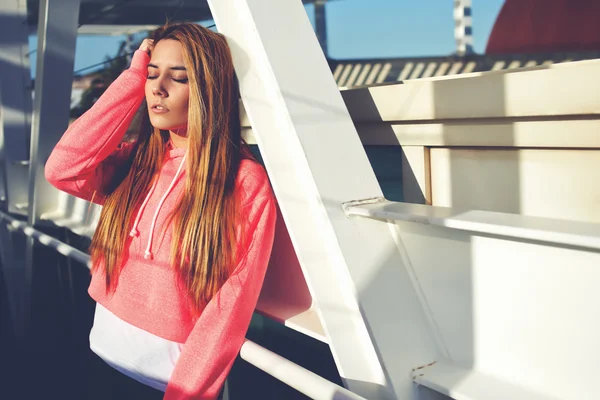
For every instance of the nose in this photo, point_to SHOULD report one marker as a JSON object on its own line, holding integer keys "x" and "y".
{"x": 158, "y": 89}
{"x": 158, "y": 92}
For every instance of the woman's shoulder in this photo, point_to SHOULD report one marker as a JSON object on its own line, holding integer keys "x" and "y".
{"x": 252, "y": 181}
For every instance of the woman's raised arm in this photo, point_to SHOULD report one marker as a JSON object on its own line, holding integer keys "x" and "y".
{"x": 90, "y": 151}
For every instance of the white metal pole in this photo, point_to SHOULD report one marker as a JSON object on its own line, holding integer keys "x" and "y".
{"x": 360, "y": 283}
{"x": 46, "y": 240}
{"x": 301, "y": 379}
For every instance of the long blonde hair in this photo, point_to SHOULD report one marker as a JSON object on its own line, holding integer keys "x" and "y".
{"x": 204, "y": 221}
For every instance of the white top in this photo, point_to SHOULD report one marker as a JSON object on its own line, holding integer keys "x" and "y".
{"x": 134, "y": 352}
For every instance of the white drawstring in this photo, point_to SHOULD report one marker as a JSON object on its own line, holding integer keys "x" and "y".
{"x": 134, "y": 231}
{"x": 148, "y": 252}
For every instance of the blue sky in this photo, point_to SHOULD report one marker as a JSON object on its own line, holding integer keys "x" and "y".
{"x": 361, "y": 29}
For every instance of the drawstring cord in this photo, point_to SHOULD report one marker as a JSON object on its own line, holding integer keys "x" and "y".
{"x": 148, "y": 252}
{"x": 134, "y": 231}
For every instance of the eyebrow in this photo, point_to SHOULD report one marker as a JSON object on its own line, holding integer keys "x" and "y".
{"x": 177, "y": 68}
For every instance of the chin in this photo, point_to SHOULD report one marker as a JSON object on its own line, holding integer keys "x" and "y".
{"x": 160, "y": 123}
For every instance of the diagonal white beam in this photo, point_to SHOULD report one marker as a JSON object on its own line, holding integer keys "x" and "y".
{"x": 360, "y": 283}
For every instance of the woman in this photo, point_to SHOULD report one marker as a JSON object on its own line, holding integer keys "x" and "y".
{"x": 188, "y": 218}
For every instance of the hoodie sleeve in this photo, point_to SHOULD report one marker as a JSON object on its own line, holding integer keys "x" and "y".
{"x": 215, "y": 341}
{"x": 89, "y": 152}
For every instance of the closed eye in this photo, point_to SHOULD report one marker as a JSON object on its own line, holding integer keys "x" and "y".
{"x": 183, "y": 80}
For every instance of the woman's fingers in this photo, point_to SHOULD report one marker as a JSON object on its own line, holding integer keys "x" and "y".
{"x": 147, "y": 45}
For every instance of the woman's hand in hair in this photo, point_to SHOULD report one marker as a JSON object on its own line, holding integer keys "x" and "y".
{"x": 147, "y": 45}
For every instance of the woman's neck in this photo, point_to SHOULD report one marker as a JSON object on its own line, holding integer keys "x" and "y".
{"x": 179, "y": 140}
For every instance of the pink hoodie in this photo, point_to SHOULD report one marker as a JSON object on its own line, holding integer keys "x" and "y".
{"x": 147, "y": 296}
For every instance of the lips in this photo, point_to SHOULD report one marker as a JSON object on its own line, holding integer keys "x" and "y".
{"x": 159, "y": 108}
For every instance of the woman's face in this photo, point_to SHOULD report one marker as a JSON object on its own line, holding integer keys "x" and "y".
{"x": 167, "y": 91}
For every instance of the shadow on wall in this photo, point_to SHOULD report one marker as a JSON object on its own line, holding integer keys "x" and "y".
{"x": 382, "y": 148}
{"x": 475, "y": 178}
{"x": 284, "y": 286}
{"x": 284, "y": 293}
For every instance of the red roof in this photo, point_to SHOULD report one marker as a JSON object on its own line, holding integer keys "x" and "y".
{"x": 546, "y": 26}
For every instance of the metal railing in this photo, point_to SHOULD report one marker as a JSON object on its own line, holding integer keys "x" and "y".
{"x": 282, "y": 369}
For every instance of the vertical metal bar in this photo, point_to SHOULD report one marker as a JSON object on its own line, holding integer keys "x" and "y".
{"x": 15, "y": 105}
{"x": 57, "y": 34}
{"x": 359, "y": 279}
{"x": 321, "y": 25}
{"x": 463, "y": 26}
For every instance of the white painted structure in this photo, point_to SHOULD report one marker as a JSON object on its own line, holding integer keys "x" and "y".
{"x": 483, "y": 289}
{"x": 504, "y": 141}
{"x": 513, "y": 298}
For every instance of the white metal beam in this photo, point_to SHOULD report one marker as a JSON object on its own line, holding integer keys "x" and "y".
{"x": 114, "y": 30}
{"x": 360, "y": 283}
{"x": 556, "y": 232}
